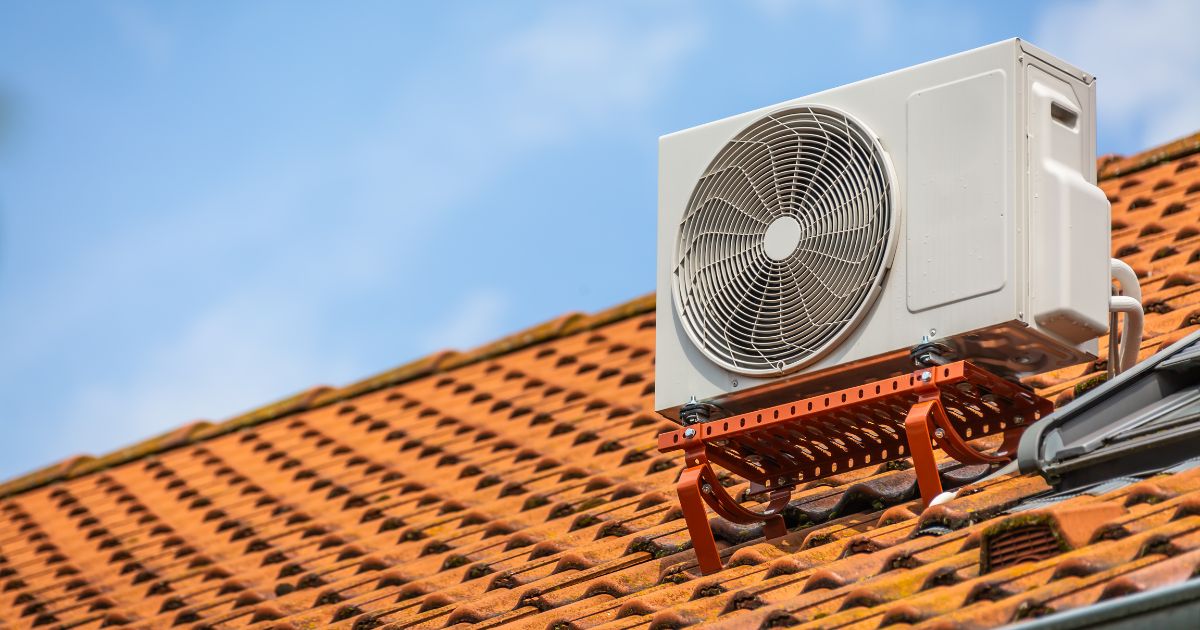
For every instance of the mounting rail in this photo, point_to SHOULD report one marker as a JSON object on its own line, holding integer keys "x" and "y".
{"x": 780, "y": 447}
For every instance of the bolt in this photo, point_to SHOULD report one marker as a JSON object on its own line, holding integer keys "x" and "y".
{"x": 689, "y": 433}
{"x": 1018, "y": 419}
{"x": 706, "y": 489}
{"x": 694, "y": 412}
{"x": 926, "y": 376}
{"x": 939, "y": 433}
{"x": 781, "y": 481}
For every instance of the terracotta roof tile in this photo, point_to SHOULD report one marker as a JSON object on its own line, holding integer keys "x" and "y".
{"x": 518, "y": 483}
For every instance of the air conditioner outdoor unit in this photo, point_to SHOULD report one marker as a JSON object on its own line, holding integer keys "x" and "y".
{"x": 811, "y": 245}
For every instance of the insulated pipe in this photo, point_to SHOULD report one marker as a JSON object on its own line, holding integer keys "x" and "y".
{"x": 1129, "y": 303}
{"x": 1124, "y": 274}
{"x": 1131, "y": 333}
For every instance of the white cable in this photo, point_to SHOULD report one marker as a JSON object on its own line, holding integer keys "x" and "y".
{"x": 1124, "y": 274}
{"x": 1129, "y": 303}
{"x": 1131, "y": 332}
{"x": 944, "y": 497}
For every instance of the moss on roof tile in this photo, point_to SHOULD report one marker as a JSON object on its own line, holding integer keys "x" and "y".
{"x": 1110, "y": 167}
{"x": 323, "y": 395}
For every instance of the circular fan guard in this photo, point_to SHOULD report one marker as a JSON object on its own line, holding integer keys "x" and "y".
{"x": 785, "y": 241}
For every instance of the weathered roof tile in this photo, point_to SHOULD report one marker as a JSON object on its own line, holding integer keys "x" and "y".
{"x": 518, "y": 484}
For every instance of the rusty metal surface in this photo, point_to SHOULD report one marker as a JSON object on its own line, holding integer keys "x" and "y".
{"x": 857, "y": 427}
{"x": 778, "y": 448}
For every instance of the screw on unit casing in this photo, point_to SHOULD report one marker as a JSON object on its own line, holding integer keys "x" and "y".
{"x": 1018, "y": 419}
{"x": 926, "y": 376}
{"x": 781, "y": 481}
{"x": 689, "y": 433}
{"x": 706, "y": 489}
{"x": 939, "y": 433}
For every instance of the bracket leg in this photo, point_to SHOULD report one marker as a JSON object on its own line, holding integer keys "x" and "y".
{"x": 774, "y": 527}
{"x": 692, "y": 503}
{"x": 920, "y": 447}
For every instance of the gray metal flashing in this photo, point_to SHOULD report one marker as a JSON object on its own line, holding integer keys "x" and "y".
{"x": 1174, "y": 606}
{"x": 1143, "y": 421}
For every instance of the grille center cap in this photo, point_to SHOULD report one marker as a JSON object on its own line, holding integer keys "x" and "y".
{"x": 782, "y": 238}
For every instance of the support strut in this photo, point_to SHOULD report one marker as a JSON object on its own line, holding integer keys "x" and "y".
{"x": 699, "y": 485}
{"x": 780, "y": 447}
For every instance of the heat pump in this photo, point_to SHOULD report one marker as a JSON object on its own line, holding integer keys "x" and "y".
{"x": 815, "y": 243}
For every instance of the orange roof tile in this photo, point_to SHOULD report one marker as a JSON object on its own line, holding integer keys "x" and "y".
{"x": 519, "y": 484}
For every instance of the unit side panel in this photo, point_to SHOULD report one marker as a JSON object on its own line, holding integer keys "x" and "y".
{"x": 959, "y": 190}
{"x": 1069, "y": 231}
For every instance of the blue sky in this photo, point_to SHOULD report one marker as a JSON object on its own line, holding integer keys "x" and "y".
{"x": 208, "y": 206}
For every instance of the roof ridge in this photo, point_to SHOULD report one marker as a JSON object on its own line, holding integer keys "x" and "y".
{"x": 1108, "y": 167}
{"x": 1111, "y": 166}
{"x": 324, "y": 395}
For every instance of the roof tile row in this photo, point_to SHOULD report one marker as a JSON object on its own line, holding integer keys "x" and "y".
{"x": 518, "y": 484}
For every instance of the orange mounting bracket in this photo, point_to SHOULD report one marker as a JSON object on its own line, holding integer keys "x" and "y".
{"x": 780, "y": 447}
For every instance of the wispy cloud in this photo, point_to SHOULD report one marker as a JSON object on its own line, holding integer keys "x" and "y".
{"x": 233, "y": 357}
{"x": 473, "y": 320}
{"x": 278, "y": 261}
{"x": 874, "y": 23}
{"x": 582, "y": 64}
{"x": 1145, "y": 55}
{"x": 151, "y": 39}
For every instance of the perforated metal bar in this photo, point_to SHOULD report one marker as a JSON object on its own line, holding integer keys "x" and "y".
{"x": 779, "y": 447}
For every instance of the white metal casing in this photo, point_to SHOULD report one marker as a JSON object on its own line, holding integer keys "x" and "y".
{"x": 1002, "y": 250}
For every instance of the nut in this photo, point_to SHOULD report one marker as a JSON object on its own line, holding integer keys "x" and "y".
{"x": 939, "y": 433}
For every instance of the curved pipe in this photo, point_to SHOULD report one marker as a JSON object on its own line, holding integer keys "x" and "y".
{"x": 1131, "y": 333}
{"x": 944, "y": 497}
{"x": 1124, "y": 274}
{"x": 1128, "y": 302}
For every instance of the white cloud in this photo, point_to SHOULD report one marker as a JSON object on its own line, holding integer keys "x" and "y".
{"x": 475, "y": 319}
{"x": 237, "y": 356}
{"x": 569, "y": 71}
{"x": 874, "y": 23}
{"x": 577, "y": 65}
{"x": 145, "y": 34}
{"x": 1145, "y": 55}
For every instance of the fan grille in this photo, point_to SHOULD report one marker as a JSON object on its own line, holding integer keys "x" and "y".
{"x": 784, "y": 241}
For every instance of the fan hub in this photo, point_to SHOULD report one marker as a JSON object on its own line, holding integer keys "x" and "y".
{"x": 782, "y": 238}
